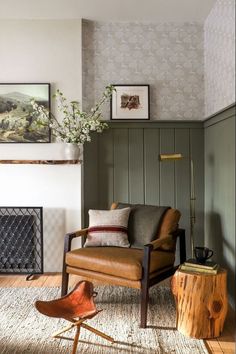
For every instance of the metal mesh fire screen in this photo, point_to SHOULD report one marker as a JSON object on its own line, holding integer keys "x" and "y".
{"x": 21, "y": 240}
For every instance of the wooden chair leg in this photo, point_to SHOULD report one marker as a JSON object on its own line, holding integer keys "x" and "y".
{"x": 65, "y": 275}
{"x": 99, "y": 333}
{"x": 145, "y": 285}
{"x": 76, "y": 339}
{"x": 64, "y": 284}
{"x": 144, "y": 306}
{"x": 63, "y": 330}
{"x": 67, "y": 328}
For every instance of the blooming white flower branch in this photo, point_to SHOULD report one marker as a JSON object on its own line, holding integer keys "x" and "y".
{"x": 76, "y": 126}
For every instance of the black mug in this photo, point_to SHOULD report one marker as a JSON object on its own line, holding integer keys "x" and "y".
{"x": 202, "y": 254}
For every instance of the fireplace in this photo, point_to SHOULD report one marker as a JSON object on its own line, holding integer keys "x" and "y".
{"x": 21, "y": 240}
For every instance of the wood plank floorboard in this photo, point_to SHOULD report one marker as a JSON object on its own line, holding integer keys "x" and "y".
{"x": 222, "y": 345}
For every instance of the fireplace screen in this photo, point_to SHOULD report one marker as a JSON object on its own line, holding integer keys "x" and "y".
{"x": 21, "y": 240}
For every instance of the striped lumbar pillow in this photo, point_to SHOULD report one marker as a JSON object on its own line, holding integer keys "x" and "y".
{"x": 108, "y": 228}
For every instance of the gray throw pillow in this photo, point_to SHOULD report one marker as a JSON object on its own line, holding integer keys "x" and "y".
{"x": 144, "y": 222}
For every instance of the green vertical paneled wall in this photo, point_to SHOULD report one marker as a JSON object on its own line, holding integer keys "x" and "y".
{"x": 220, "y": 192}
{"x": 122, "y": 164}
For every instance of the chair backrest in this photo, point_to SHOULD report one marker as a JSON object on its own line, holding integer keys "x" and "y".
{"x": 147, "y": 223}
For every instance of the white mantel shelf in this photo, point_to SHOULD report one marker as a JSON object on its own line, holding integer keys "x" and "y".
{"x": 40, "y": 162}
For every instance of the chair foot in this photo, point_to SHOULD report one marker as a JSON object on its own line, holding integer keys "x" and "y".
{"x": 99, "y": 333}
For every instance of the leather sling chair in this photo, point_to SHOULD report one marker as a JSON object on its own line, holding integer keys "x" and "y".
{"x": 76, "y": 307}
{"x": 129, "y": 267}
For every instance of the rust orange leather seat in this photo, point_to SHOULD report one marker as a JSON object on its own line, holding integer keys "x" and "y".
{"x": 130, "y": 267}
{"x": 77, "y": 304}
{"x": 76, "y": 307}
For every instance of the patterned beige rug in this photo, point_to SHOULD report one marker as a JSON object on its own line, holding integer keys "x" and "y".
{"x": 24, "y": 330}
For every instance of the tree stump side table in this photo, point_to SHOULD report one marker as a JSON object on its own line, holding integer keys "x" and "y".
{"x": 201, "y": 303}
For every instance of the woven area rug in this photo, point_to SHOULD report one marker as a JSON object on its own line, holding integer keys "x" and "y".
{"x": 24, "y": 330}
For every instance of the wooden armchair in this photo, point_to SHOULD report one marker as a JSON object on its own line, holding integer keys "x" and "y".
{"x": 129, "y": 267}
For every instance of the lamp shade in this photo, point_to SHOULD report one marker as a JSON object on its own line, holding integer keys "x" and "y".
{"x": 170, "y": 157}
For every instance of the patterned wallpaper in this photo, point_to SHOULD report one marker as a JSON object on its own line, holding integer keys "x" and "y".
{"x": 54, "y": 229}
{"x": 219, "y": 49}
{"x": 167, "y": 56}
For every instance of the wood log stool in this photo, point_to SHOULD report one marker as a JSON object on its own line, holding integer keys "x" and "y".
{"x": 201, "y": 303}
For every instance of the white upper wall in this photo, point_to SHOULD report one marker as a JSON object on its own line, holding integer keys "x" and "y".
{"x": 43, "y": 51}
{"x": 219, "y": 57}
{"x": 109, "y": 10}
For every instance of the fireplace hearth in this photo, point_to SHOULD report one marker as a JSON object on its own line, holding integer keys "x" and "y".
{"x": 21, "y": 240}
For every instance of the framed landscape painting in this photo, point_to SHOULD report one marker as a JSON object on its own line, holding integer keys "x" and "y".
{"x": 17, "y": 119}
{"x": 130, "y": 102}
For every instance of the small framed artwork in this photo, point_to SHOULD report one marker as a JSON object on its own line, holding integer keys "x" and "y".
{"x": 17, "y": 117}
{"x": 130, "y": 102}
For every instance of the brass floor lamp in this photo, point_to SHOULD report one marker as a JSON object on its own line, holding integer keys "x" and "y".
{"x": 174, "y": 157}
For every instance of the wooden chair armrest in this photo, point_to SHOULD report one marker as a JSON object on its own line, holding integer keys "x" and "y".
{"x": 152, "y": 246}
{"x": 69, "y": 237}
{"x": 160, "y": 241}
{"x": 78, "y": 233}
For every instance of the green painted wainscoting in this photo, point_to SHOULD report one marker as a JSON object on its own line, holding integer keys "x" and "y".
{"x": 122, "y": 164}
{"x": 220, "y": 191}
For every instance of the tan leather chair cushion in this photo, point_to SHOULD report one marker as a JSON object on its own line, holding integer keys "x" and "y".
{"x": 168, "y": 226}
{"x": 116, "y": 261}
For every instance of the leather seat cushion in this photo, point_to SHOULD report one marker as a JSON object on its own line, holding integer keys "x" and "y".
{"x": 117, "y": 261}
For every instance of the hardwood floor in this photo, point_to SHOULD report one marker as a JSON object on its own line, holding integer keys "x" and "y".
{"x": 225, "y": 344}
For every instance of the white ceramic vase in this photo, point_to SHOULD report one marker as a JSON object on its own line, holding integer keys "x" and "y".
{"x": 72, "y": 151}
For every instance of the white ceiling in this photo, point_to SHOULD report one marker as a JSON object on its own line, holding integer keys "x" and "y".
{"x": 113, "y": 10}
